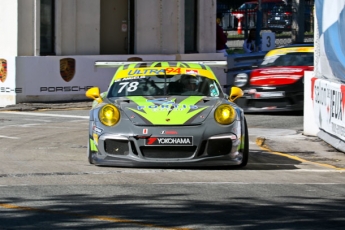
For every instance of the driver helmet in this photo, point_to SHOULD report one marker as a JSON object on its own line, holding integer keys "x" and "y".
{"x": 190, "y": 82}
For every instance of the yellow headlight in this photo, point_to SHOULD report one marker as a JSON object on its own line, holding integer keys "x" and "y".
{"x": 225, "y": 114}
{"x": 109, "y": 115}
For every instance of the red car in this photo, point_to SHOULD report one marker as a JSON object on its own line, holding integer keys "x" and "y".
{"x": 278, "y": 83}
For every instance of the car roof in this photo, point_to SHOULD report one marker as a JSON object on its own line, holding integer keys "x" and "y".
{"x": 303, "y": 48}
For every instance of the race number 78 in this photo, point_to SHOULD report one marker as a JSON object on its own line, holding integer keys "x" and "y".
{"x": 132, "y": 86}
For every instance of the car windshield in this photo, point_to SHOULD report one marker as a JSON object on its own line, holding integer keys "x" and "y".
{"x": 248, "y": 6}
{"x": 289, "y": 59}
{"x": 179, "y": 85}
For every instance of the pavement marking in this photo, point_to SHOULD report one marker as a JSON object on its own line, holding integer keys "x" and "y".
{"x": 46, "y": 114}
{"x": 266, "y": 148}
{"x": 94, "y": 217}
{"x": 245, "y": 183}
{"x": 7, "y": 137}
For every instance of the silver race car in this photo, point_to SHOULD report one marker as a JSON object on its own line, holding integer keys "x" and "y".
{"x": 166, "y": 115}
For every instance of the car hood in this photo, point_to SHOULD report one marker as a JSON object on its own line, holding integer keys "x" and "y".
{"x": 174, "y": 110}
{"x": 278, "y": 75}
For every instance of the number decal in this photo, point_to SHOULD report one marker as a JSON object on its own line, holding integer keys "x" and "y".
{"x": 132, "y": 86}
{"x": 173, "y": 70}
{"x": 123, "y": 86}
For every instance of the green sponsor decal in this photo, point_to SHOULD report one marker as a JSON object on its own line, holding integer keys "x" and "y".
{"x": 167, "y": 112}
{"x": 241, "y": 146}
{"x": 93, "y": 146}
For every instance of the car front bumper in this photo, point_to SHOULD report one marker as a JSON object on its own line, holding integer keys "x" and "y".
{"x": 216, "y": 146}
{"x": 284, "y": 98}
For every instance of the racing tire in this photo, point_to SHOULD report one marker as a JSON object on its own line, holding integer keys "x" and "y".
{"x": 245, "y": 150}
{"x": 89, "y": 154}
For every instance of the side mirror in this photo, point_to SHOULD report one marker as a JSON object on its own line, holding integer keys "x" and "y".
{"x": 235, "y": 93}
{"x": 94, "y": 94}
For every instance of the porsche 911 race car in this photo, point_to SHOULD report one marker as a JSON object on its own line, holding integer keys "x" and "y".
{"x": 166, "y": 115}
{"x": 278, "y": 83}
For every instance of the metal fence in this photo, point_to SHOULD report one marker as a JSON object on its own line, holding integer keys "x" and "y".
{"x": 236, "y": 42}
{"x": 278, "y": 19}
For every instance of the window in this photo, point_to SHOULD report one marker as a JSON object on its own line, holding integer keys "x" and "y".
{"x": 190, "y": 26}
{"x": 47, "y": 41}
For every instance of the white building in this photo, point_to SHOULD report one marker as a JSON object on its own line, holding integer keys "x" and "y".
{"x": 48, "y": 47}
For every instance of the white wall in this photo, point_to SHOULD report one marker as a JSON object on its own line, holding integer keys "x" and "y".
{"x": 26, "y": 32}
{"x": 8, "y": 27}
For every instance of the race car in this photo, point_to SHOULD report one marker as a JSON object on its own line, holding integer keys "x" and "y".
{"x": 165, "y": 114}
{"x": 278, "y": 83}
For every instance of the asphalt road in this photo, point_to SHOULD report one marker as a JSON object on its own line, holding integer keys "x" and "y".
{"x": 46, "y": 182}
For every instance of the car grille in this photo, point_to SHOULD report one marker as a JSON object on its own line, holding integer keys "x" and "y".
{"x": 116, "y": 147}
{"x": 164, "y": 152}
{"x": 218, "y": 147}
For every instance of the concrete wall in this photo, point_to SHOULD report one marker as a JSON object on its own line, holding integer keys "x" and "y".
{"x": 77, "y": 27}
{"x": 26, "y": 32}
{"x": 157, "y": 27}
{"x": 162, "y": 30}
{"x": 207, "y": 26}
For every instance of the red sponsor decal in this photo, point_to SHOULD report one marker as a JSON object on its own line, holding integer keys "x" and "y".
{"x": 151, "y": 140}
{"x": 191, "y": 71}
{"x": 169, "y": 132}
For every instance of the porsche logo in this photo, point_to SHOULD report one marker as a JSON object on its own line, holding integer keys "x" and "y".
{"x": 67, "y": 68}
{"x": 3, "y": 70}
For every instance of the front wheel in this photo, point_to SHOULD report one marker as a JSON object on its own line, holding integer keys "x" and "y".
{"x": 245, "y": 150}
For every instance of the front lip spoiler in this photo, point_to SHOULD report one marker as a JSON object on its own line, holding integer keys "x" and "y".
{"x": 205, "y": 162}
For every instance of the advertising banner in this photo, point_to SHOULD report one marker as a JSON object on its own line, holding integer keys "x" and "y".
{"x": 329, "y": 102}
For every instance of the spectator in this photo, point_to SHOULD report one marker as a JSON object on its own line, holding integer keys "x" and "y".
{"x": 249, "y": 45}
{"x": 221, "y": 37}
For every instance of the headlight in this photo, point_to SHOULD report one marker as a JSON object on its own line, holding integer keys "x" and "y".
{"x": 241, "y": 79}
{"x": 109, "y": 115}
{"x": 225, "y": 114}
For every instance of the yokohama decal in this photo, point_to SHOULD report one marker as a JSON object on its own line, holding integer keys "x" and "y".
{"x": 169, "y": 141}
